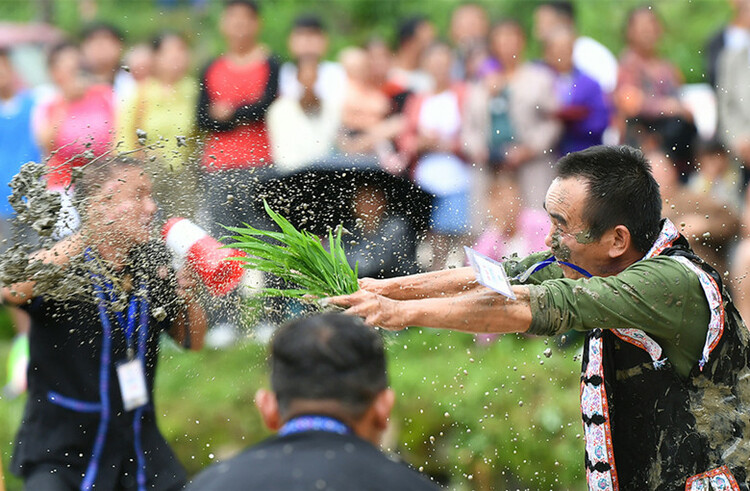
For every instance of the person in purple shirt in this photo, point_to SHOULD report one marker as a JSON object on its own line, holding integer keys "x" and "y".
{"x": 583, "y": 108}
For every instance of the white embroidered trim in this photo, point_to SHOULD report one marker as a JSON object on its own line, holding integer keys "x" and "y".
{"x": 598, "y": 437}
{"x": 713, "y": 296}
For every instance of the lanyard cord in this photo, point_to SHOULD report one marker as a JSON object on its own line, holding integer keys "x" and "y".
{"x": 314, "y": 423}
{"x": 523, "y": 277}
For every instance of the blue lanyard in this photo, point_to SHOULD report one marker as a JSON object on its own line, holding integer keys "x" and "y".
{"x": 543, "y": 264}
{"x": 314, "y": 423}
{"x": 133, "y": 317}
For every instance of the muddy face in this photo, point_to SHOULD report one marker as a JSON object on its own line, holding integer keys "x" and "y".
{"x": 569, "y": 238}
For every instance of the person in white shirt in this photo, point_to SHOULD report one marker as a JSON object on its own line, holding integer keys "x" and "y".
{"x": 309, "y": 40}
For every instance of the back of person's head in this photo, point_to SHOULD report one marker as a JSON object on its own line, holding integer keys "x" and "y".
{"x": 329, "y": 358}
{"x": 621, "y": 191}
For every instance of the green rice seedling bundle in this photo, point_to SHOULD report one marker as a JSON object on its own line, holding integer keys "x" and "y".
{"x": 297, "y": 257}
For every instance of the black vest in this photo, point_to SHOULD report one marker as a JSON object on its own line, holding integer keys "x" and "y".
{"x": 663, "y": 430}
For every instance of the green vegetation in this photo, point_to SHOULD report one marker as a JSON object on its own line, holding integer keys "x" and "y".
{"x": 298, "y": 258}
{"x": 474, "y": 416}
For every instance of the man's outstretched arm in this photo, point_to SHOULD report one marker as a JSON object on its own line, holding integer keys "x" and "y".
{"x": 478, "y": 311}
{"x": 445, "y": 283}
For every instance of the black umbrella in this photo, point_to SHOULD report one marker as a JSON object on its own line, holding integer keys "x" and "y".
{"x": 319, "y": 196}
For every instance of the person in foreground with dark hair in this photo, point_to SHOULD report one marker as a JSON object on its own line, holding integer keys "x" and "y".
{"x": 89, "y": 421}
{"x": 665, "y": 381}
{"x": 330, "y": 403}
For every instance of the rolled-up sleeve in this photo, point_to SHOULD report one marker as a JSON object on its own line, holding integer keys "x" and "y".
{"x": 655, "y": 295}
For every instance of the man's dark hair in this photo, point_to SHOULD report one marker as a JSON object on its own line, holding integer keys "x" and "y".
{"x": 309, "y": 21}
{"x": 98, "y": 172}
{"x": 332, "y": 357}
{"x": 101, "y": 27}
{"x": 250, "y": 4}
{"x": 4, "y": 53}
{"x": 562, "y": 7}
{"x": 621, "y": 191}
{"x": 408, "y": 28}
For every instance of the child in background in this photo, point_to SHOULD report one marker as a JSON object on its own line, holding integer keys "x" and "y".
{"x": 510, "y": 227}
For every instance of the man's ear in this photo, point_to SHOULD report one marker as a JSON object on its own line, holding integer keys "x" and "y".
{"x": 382, "y": 407}
{"x": 268, "y": 406}
{"x": 621, "y": 241}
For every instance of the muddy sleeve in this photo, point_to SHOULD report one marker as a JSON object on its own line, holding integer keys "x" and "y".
{"x": 515, "y": 266}
{"x": 659, "y": 296}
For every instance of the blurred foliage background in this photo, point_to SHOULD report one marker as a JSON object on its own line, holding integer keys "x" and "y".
{"x": 688, "y": 23}
{"x": 476, "y": 417}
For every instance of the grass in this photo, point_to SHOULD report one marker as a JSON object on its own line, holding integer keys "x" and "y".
{"x": 297, "y": 257}
{"x": 476, "y": 417}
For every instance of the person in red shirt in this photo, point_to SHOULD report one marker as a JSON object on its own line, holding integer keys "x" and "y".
{"x": 236, "y": 90}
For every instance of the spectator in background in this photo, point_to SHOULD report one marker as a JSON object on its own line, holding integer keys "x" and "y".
{"x": 510, "y": 227}
{"x": 77, "y": 124}
{"x": 102, "y": 48}
{"x": 510, "y": 115}
{"x": 647, "y": 94}
{"x": 589, "y": 55}
{"x": 469, "y": 27}
{"x": 18, "y": 147}
{"x": 734, "y": 36}
{"x": 309, "y": 40}
{"x": 163, "y": 107}
{"x": 716, "y": 178}
{"x": 330, "y": 404}
{"x": 582, "y": 107}
{"x": 380, "y": 61}
{"x": 139, "y": 62}
{"x": 303, "y": 129}
{"x": 381, "y": 243}
{"x": 236, "y": 90}
{"x": 708, "y": 225}
{"x": 414, "y": 36}
{"x": 16, "y": 135}
{"x": 432, "y": 141}
{"x": 367, "y": 126}
{"x": 733, "y": 84}
{"x": 741, "y": 264}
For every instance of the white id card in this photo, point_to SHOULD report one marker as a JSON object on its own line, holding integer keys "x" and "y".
{"x": 132, "y": 384}
{"x": 490, "y": 273}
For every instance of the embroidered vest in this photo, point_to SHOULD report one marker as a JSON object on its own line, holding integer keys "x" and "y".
{"x": 645, "y": 427}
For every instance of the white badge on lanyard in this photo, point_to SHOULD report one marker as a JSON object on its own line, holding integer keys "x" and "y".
{"x": 490, "y": 273}
{"x": 132, "y": 384}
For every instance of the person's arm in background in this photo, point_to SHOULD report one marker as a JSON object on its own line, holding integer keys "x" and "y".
{"x": 256, "y": 111}
{"x": 189, "y": 326}
{"x": 59, "y": 254}
{"x": 206, "y": 118}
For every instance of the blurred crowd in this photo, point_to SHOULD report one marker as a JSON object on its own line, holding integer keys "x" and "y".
{"x": 463, "y": 115}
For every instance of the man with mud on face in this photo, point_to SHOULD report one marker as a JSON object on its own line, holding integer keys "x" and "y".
{"x": 89, "y": 420}
{"x": 665, "y": 381}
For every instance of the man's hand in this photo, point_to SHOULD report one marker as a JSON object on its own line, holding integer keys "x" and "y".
{"x": 376, "y": 310}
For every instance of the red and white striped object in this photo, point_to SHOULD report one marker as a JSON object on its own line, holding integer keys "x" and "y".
{"x": 205, "y": 254}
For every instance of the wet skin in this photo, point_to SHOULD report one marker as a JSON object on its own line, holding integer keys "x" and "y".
{"x": 569, "y": 237}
